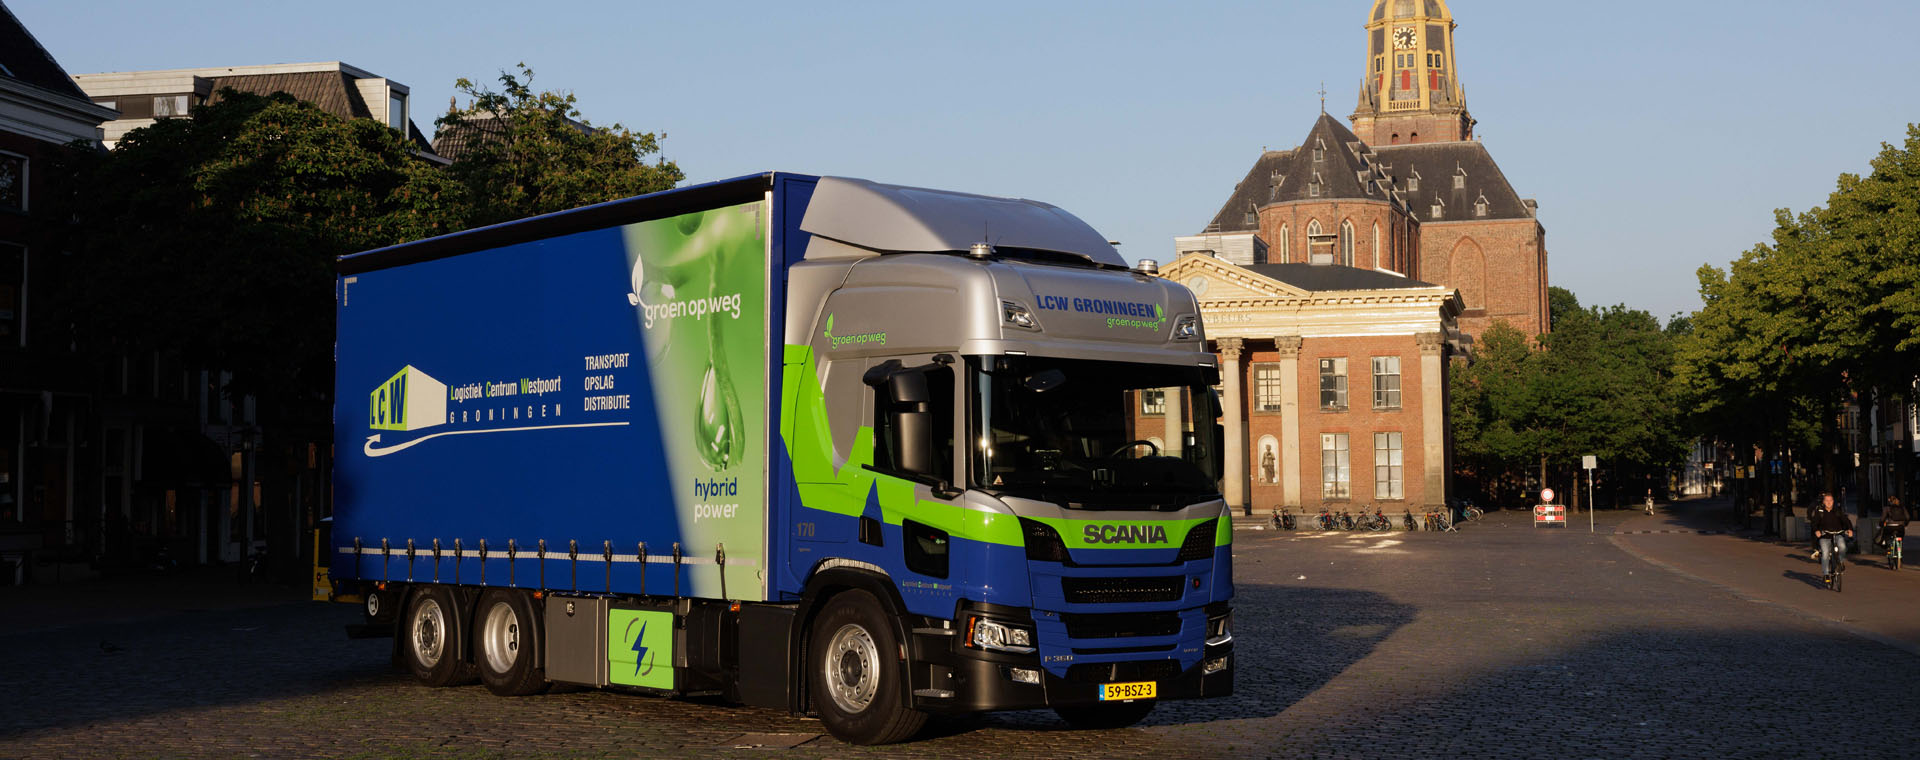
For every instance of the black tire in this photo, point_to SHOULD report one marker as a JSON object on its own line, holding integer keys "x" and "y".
{"x": 506, "y": 643}
{"x": 431, "y": 637}
{"x": 855, "y": 673}
{"x": 1105, "y": 715}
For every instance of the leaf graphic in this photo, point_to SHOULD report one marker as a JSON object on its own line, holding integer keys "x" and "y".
{"x": 829, "y": 332}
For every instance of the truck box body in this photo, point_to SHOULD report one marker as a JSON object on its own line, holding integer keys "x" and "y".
{"x": 771, "y": 389}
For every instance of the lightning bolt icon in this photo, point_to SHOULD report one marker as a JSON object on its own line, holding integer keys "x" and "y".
{"x": 640, "y": 650}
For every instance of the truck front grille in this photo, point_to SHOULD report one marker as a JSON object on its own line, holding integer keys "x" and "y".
{"x": 1164, "y": 588}
{"x": 1122, "y": 625}
{"x": 1109, "y": 672}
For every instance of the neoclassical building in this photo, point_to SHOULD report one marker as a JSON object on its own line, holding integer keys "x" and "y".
{"x": 1340, "y": 276}
{"x": 1333, "y": 380}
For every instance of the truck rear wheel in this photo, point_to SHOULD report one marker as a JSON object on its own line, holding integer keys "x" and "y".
{"x": 1114, "y": 715}
{"x": 856, "y": 673}
{"x": 507, "y": 643}
{"x": 430, "y": 639}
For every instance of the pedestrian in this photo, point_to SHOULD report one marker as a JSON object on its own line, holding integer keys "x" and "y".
{"x": 1649, "y": 501}
{"x": 1828, "y": 525}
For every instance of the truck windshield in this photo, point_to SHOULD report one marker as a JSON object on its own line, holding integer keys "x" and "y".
{"x": 1092, "y": 434}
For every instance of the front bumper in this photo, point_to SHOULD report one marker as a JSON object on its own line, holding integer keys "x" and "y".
{"x": 952, "y": 678}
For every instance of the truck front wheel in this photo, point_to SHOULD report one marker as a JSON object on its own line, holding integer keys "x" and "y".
{"x": 430, "y": 639}
{"x": 856, "y": 672}
{"x": 506, "y": 644}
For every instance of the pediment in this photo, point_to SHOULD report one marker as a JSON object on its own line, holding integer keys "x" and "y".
{"x": 1214, "y": 279}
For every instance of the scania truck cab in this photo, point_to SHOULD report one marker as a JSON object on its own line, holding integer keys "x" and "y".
{"x": 958, "y": 454}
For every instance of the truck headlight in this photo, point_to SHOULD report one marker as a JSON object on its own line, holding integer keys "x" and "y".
{"x": 1018, "y": 316}
{"x": 1186, "y": 328}
{"x": 1219, "y": 630}
{"x": 983, "y": 633}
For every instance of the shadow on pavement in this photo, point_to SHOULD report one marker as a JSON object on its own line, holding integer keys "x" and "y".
{"x": 1811, "y": 579}
{"x": 1280, "y": 658}
{"x": 94, "y": 672}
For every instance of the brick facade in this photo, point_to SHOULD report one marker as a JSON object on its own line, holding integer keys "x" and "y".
{"x": 1499, "y": 266}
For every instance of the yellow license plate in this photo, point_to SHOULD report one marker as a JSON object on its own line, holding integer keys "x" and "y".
{"x": 1136, "y": 690}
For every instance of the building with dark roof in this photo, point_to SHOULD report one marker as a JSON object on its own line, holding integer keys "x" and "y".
{"x": 348, "y": 92}
{"x": 1340, "y": 275}
{"x": 48, "y": 439}
{"x": 1406, "y": 190}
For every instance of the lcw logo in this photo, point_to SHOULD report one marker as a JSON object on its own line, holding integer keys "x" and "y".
{"x": 409, "y": 400}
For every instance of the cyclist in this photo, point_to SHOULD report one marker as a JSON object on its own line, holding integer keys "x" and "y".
{"x": 1893, "y": 521}
{"x": 1828, "y": 524}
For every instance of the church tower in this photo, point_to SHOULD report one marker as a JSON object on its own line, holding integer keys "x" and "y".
{"x": 1411, "y": 93}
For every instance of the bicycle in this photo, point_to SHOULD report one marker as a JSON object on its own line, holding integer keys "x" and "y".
{"x": 1346, "y": 521}
{"x": 1377, "y": 522}
{"x": 1833, "y": 557}
{"x": 1893, "y": 552}
{"x": 1327, "y": 520}
{"x": 1407, "y": 522}
{"x": 1283, "y": 521}
{"x": 1471, "y": 513}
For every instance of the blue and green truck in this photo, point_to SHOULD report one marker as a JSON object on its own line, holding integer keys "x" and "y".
{"x": 847, "y": 449}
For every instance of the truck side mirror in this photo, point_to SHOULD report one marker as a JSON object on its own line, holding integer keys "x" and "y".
{"x": 912, "y": 422}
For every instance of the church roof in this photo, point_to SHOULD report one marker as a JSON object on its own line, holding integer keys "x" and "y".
{"x": 1330, "y": 163}
{"x": 23, "y": 60}
{"x": 1436, "y": 165}
{"x": 1319, "y": 277}
{"x": 1333, "y": 164}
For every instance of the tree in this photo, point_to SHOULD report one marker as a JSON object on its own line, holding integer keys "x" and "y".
{"x": 213, "y": 237}
{"x": 1597, "y": 384}
{"x": 523, "y": 153}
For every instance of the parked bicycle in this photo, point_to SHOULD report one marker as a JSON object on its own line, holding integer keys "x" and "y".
{"x": 1376, "y": 522}
{"x": 1327, "y": 521}
{"x": 1283, "y": 520}
{"x": 1346, "y": 520}
{"x": 1407, "y": 522}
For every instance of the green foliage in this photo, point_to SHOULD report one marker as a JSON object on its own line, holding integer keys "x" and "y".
{"x": 1598, "y": 384}
{"x": 214, "y": 237}
{"x": 1827, "y": 310}
{"x": 531, "y": 153}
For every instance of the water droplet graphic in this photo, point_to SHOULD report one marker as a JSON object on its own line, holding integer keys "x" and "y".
{"x": 714, "y": 421}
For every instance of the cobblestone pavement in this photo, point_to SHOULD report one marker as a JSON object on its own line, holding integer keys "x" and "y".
{"x": 1498, "y": 641}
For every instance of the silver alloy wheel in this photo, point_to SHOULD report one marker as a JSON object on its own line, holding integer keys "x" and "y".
{"x": 500, "y": 637}
{"x": 429, "y": 631}
{"x": 853, "y": 668}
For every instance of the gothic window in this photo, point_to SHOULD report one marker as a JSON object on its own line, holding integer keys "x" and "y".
{"x": 1313, "y": 229}
{"x": 1376, "y": 245}
{"x": 1346, "y": 243}
{"x": 1285, "y": 252}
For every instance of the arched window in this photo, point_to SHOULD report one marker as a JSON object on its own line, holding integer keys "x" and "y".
{"x": 1346, "y": 243}
{"x": 1377, "y": 264}
{"x": 1313, "y": 242}
{"x": 1286, "y": 253}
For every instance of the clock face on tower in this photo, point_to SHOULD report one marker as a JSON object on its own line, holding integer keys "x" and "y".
{"x": 1403, "y": 37}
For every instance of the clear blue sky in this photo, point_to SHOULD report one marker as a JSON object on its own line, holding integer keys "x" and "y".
{"x": 1657, "y": 136}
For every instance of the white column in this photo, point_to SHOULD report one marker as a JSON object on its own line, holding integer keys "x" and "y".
{"x": 1289, "y": 347}
{"x": 1433, "y": 416}
{"x": 1175, "y": 418}
{"x": 1234, "y": 484}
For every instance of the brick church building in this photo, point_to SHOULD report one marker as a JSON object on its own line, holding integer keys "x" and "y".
{"x": 1340, "y": 276}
